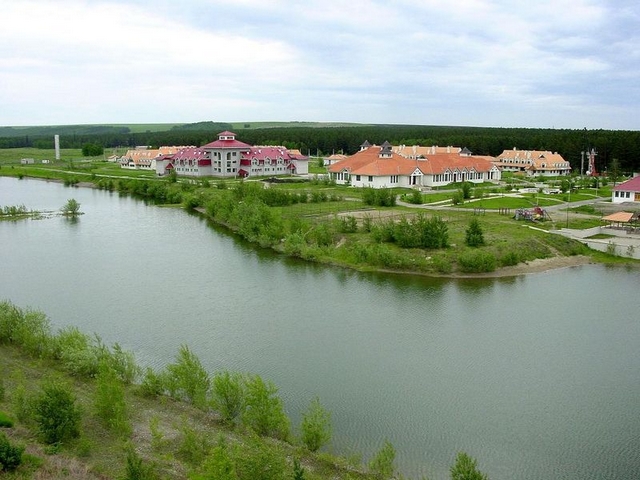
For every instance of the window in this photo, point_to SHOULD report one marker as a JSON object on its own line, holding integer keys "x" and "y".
{"x": 371, "y": 178}
{"x": 357, "y": 178}
{"x": 394, "y": 179}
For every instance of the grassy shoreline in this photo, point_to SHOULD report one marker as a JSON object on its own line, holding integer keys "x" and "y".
{"x": 329, "y": 224}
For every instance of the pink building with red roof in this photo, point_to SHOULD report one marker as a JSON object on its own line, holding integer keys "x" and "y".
{"x": 628, "y": 191}
{"x": 228, "y": 157}
{"x": 381, "y": 167}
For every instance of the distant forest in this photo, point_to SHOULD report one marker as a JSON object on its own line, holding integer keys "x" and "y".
{"x": 609, "y": 144}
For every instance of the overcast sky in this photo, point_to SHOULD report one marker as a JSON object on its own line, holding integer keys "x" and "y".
{"x": 504, "y": 63}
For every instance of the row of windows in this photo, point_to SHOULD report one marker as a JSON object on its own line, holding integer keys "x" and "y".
{"x": 622, "y": 194}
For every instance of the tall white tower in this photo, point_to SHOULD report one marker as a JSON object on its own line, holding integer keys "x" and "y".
{"x": 56, "y": 143}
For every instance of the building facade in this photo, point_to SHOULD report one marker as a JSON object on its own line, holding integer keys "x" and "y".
{"x": 229, "y": 157}
{"x": 381, "y": 167}
{"x": 533, "y": 162}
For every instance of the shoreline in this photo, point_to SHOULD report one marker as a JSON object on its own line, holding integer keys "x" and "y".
{"x": 538, "y": 265}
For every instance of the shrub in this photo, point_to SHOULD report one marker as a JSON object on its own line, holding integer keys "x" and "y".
{"x": 465, "y": 468}
{"x": 187, "y": 378}
{"x": 316, "y": 426}
{"x": 383, "y": 463}
{"x": 193, "y": 446}
{"x": 77, "y": 352}
{"x": 56, "y": 413}
{"x": 509, "y": 259}
{"x": 1, "y": 389}
{"x": 219, "y": 465}
{"x": 10, "y": 455}
{"x": 137, "y": 469}
{"x": 477, "y": 262}
{"x": 110, "y": 403}
{"x": 228, "y": 395}
{"x": 258, "y": 460}
{"x": 5, "y": 421}
{"x": 264, "y": 411}
{"x": 153, "y": 384}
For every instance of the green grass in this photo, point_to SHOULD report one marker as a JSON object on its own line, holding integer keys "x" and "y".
{"x": 509, "y": 202}
{"x": 14, "y": 155}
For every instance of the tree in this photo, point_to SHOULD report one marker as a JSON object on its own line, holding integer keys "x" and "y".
{"x": 92, "y": 149}
{"x": 383, "y": 463}
{"x": 466, "y": 190}
{"x": 474, "y": 234}
{"x": 614, "y": 171}
{"x": 316, "y": 426}
{"x": 465, "y": 469}
{"x": 71, "y": 208}
{"x": 264, "y": 411}
{"x": 228, "y": 395}
{"x": 56, "y": 413}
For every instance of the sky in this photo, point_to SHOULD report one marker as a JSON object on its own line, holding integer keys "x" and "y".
{"x": 503, "y": 63}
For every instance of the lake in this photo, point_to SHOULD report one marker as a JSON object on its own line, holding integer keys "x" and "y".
{"x": 537, "y": 376}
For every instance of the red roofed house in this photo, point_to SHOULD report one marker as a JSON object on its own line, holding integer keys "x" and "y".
{"x": 380, "y": 167}
{"x": 628, "y": 191}
{"x": 533, "y": 162}
{"x": 228, "y": 157}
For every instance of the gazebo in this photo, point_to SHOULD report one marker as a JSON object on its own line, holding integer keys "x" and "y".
{"x": 621, "y": 220}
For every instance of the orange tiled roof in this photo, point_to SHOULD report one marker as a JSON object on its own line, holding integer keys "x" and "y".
{"x": 534, "y": 159}
{"x": 369, "y": 162}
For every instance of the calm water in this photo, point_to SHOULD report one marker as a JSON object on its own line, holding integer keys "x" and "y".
{"x": 538, "y": 377}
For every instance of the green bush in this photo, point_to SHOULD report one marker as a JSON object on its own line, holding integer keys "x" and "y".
{"x": 5, "y": 421}
{"x": 259, "y": 460}
{"x": 56, "y": 413}
{"x": 10, "y": 455}
{"x": 383, "y": 463}
{"x": 227, "y": 395}
{"x": 79, "y": 353}
{"x": 477, "y": 262}
{"x": 316, "y": 426}
{"x": 137, "y": 469}
{"x": 187, "y": 378}
{"x": 264, "y": 411}
{"x": 110, "y": 403}
{"x": 509, "y": 258}
{"x": 193, "y": 446}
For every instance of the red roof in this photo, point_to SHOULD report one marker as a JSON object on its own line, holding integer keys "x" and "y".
{"x": 227, "y": 143}
{"x": 632, "y": 185}
{"x": 369, "y": 162}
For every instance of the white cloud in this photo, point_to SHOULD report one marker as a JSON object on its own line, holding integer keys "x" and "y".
{"x": 405, "y": 61}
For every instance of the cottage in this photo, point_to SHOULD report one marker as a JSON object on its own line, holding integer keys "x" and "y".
{"x": 628, "y": 191}
{"x": 381, "y": 166}
{"x": 533, "y": 162}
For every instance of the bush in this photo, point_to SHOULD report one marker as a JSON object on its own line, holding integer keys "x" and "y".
{"x": 56, "y": 413}
{"x": 79, "y": 353}
{"x": 509, "y": 259}
{"x": 264, "y": 411}
{"x": 110, "y": 403}
{"x": 465, "y": 468}
{"x": 187, "y": 379}
{"x": 194, "y": 446}
{"x": 228, "y": 395}
{"x": 383, "y": 463}
{"x": 477, "y": 262}
{"x": 5, "y": 421}
{"x": 10, "y": 455}
{"x": 259, "y": 460}
{"x": 136, "y": 469}
{"x": 316, "y": 426}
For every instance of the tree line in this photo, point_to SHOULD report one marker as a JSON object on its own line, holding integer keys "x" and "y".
{"x": 621, "y": 145}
